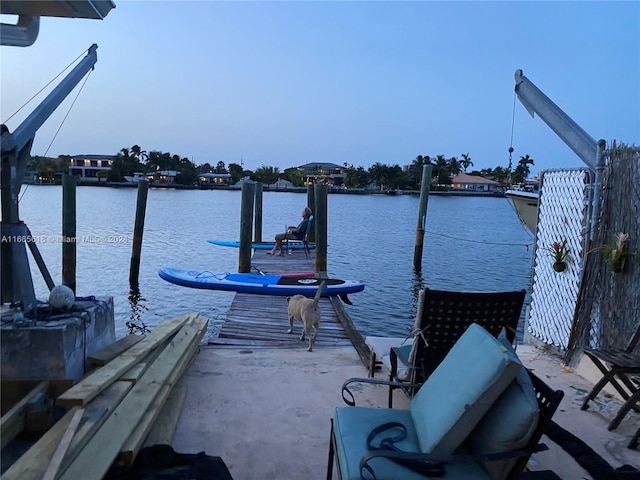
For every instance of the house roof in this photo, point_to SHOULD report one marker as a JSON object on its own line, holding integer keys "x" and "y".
{"x": 94, "y": 157}
{"x": 320, "y": 165}
{"x": 466, "y": 178}
{"x": 215, "y": 175}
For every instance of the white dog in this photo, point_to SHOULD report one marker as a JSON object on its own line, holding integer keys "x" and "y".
{"x": 308, "y": 312}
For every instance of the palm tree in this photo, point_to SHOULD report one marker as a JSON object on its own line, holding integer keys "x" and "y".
{"x": 454, "y": 166}
{"x": 139, "y": 154}
{"x": 466, "y": 162}
{"x": 441, "y": 170}
{"x": 524, "y": 162}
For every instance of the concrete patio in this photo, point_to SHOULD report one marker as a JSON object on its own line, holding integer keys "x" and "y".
{"x": 267, "y": 412}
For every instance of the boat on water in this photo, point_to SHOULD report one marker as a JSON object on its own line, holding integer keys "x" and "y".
{"x": 525, "y": 204}
{"x": 137, "y": 176}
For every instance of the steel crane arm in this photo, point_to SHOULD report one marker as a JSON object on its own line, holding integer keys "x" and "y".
{"x": 26, "y": 131}
{"x": 569, "y": 131}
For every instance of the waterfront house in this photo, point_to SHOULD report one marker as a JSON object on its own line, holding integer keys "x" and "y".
{"x": 163, "y": 177}
{"x": 464, "y": 181}
{"x": 214, "y": 179}
{"x": 88, "y": 168}
{"x": 322, "y": 172}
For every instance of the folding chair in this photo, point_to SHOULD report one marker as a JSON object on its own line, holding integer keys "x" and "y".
{"x": 617, "y": 367}
{"x": 305, "y": 239}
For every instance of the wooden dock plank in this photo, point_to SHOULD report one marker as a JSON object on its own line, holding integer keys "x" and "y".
{"x": 262, "y": 321}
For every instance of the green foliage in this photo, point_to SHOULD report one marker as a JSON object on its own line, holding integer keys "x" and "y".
{"x": 236, "y": 171}
{"x": 295, "y": 176}
{"x": 267, "y": 174}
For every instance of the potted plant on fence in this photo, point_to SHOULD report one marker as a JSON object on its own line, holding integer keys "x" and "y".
{"x": 560, "y": 253}
{"x": 617, "y": 252}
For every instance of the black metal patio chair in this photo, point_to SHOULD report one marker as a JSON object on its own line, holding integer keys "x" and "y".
{"x": 445, "y": 316}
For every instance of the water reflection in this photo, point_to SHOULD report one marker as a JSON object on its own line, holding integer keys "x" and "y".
{"x": 136, "y": 324}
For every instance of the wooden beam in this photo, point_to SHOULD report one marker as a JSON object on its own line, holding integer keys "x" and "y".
{"x": 63, "y": 446}
{"x": 364, "y": 352}
{"x": 12, "y": 423}
{"x": 135, "y": 441}
{"x": 164, "y": 427}
{"x": 34, "y": 462}
{"x": 104, "y": 356}
{"x": 87, "y": 389}
{"x": 97, "y": 456}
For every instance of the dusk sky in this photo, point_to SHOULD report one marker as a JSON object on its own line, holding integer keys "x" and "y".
{"x": 287, "y": 83}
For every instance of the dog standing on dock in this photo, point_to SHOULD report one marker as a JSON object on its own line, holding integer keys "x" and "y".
{"x": 308, "y": 312}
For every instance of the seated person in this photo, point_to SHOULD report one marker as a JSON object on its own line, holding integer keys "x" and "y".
{"x": 293, "y": 233}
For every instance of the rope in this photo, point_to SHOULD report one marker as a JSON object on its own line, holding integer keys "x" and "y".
{"x": 67, "y": 114}
{"x": 513, "y": 121}
{"x": 527, "y": 245}
{"x": 40, "y": 91}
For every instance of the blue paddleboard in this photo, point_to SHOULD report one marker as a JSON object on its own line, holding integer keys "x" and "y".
{"x": 259, "y": 245}
{"x": 260, "y": 284}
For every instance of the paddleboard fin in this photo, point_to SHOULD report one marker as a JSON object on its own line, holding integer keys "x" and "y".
{"x": 345, "y": 298}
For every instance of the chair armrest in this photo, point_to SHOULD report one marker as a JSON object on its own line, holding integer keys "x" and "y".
{"x": 352, "y": 401}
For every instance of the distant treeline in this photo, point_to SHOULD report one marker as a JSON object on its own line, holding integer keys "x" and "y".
{"x": 130, "y": 160}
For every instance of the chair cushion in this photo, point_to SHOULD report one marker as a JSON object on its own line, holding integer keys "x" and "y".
{"x": 352, "y": 426}
{"x": 462, "y": 389}
{"x": 509, "y": 424}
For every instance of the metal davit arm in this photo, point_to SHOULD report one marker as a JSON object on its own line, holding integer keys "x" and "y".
{"x": 569, "y": 131}
{"x": 16, "y": 282}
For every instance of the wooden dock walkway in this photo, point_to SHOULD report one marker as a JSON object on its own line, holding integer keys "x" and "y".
{"x": 261, "y": 321}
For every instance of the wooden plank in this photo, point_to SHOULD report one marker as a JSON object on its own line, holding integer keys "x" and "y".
{"x": 63, "y": 446}
{"x": 87, "y": 389}
{"x": 135, "y": 441}
{"x": 165, "y": 425}
{"x": 104, "y": 356}
{"x": 12, "y": 423}
{"x": 14, "y": 390}
{"x": 97, "y": 456}
{"x": 134, "y": 373}
{"x": 34, "y": 462}
{"x": 364, "y": 352}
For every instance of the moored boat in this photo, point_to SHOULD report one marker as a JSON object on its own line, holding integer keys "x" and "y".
{"x": 526, "y": 206}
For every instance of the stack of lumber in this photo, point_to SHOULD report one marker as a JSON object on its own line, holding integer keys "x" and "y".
{"x": 112, "y": 411}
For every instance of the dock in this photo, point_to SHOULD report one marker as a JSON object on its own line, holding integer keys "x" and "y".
{"x": 261, "y": 321}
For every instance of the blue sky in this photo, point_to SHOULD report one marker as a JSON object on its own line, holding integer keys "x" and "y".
{"x": 286, "y": 83}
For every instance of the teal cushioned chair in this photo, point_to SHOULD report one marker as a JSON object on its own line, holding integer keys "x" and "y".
{"x": 446, "y": 418}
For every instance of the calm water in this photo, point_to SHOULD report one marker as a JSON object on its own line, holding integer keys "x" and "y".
{"x": 471, "y": 243}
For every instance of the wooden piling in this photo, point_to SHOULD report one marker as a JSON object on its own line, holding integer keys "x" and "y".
{"x": 422, "y": 216}
{"x": 257, "y": 224}
{"x": 246, "y": 220}
{"x": 138, "y": 229}
{"x": 69, "y": 183}
{"x": 320, "y": 221}
{"x": 311, "y": 203}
